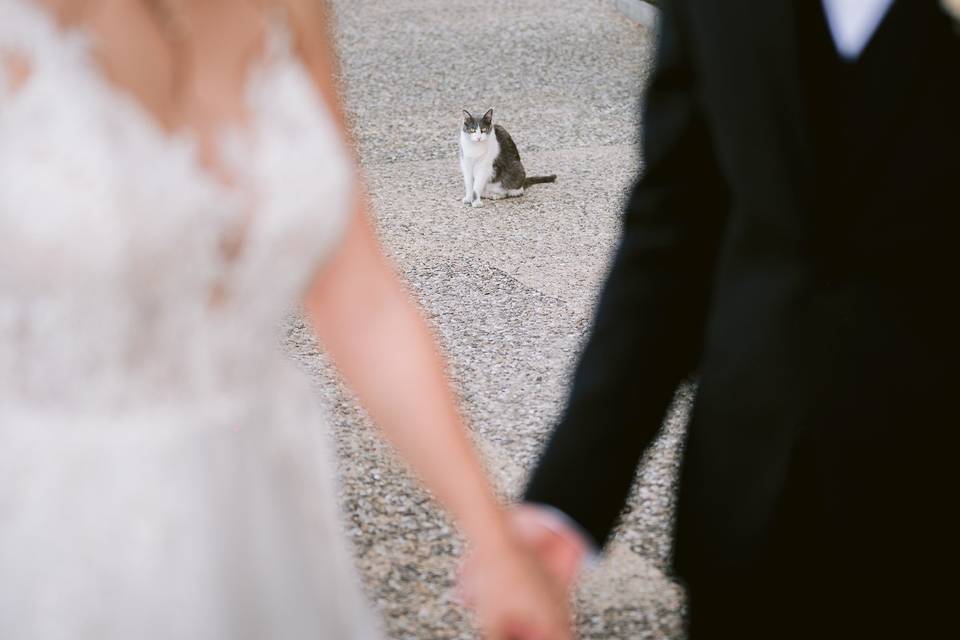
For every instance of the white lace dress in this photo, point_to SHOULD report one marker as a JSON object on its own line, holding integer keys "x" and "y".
{"x": 164, "y": 470}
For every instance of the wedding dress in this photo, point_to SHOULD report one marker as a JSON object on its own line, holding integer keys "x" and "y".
{"x": 164, "y": 472}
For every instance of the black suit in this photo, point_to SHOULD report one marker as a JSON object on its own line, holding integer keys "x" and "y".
{"x": 793, "y": 240}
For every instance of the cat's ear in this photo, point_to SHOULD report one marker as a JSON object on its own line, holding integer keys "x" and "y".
{"x": 488, "y": 117}
{"x": 466, "y": 116}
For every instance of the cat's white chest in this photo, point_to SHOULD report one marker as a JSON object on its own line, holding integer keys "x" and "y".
{"x": 478, "y": 151}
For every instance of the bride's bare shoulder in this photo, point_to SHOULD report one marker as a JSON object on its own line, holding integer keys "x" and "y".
{"x": 66, "y": 12}
{"x": 311, "y": 22}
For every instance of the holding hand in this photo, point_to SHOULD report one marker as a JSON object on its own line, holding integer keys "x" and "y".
{"x": 560, "y": 549}
{"x": 514, "y": 596}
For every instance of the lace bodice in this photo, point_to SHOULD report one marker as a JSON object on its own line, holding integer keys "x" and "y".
{"x": 128, "y": 273}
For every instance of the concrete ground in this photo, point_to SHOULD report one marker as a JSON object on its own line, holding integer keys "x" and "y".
{"x": 509, "y": 288}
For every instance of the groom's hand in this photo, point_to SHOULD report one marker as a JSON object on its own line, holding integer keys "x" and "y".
{"x": 560, "y": 548}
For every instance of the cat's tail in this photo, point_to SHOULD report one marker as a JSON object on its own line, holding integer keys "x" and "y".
{"x": 539, "y": 180}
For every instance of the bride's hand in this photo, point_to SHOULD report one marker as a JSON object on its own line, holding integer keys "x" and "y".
{"x": 513, "y": 596}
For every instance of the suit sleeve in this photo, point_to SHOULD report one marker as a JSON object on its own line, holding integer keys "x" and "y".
{"x": 648, "y": 327}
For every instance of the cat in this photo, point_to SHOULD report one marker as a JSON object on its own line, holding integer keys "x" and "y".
{"x": 490, "y": 162}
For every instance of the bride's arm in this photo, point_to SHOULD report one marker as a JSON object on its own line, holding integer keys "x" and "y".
{"x": 385, "y": 352}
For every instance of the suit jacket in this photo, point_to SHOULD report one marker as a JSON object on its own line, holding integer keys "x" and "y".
{"x": 793, "y": 241}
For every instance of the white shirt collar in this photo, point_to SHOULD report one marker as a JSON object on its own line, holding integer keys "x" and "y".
{"x": 853, "y": 23}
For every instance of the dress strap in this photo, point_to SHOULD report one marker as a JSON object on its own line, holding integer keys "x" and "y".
{"x": 30, "y": 40}
{"x": 279, "y": 33}
{"x": 18, "y": 41}
{"x": 25, "y": 28}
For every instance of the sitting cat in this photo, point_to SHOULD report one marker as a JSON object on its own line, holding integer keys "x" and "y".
{"x": 491, "y": 163}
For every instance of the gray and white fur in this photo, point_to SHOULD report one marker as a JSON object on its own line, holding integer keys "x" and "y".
{"x": 490, "y": 162}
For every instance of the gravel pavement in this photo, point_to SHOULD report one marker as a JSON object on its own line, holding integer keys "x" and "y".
{"x": 508, "y": 288}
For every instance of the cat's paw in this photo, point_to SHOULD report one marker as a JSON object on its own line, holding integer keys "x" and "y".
{"x": 477, "y": 203}
{"x": 468, "y": 200}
